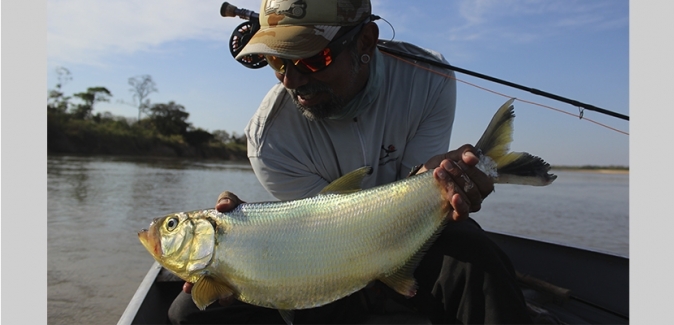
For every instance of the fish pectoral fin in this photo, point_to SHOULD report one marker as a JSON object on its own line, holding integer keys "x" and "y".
{"x": 288, "y": 315}
{"x": 207, "y": 290}
{"x": 402, "y": 282}
{"x": 348, "y": 183}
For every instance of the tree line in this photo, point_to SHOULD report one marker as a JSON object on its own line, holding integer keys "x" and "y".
{"x": 161, "y": 129}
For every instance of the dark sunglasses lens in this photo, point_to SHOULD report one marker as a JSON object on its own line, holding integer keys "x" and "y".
{"x": 276, "y": 63}
{"x": 309, "y": 65}
{"x": 317, "y": 62}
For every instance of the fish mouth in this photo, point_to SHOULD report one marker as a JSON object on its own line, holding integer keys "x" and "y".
{"x": 150, "y": 240}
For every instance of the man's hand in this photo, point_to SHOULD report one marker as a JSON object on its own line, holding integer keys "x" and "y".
{"x": 227, "y": 201}
{"x": 466, "y": 185}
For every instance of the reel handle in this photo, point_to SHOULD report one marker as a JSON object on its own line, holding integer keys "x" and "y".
{"x": 228, "y": 10}
{"x": 242, "y": 34}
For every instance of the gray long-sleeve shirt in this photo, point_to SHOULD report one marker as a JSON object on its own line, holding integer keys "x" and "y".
{"x": 408, "y": 121}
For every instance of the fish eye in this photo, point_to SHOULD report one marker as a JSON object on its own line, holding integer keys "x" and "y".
{"x": 171, "y": 224}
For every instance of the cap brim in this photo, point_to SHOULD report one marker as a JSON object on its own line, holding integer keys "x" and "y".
{"x": 290, "y": 42}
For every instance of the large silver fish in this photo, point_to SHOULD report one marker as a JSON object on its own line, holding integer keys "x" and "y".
{"x": 310, "y": 252}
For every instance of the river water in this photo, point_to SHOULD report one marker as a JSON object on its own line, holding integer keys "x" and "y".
{"x": 96, "y": 205}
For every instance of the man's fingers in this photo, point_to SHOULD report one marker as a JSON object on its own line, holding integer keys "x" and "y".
{"x": 464, "y": 185}
{"x": 461, "y": 154}
{"x": 460, "y": 208}
{"x": 469, "y": 157}
{"x": 227, "y": 201}
{"x": 464, "y": 193}
{"x": 187, "y": 287}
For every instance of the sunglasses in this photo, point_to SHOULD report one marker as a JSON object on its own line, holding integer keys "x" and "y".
{"x": 317, "y": 62}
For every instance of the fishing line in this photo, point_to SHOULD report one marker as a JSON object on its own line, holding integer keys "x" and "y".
{"x": 580, "y": 116}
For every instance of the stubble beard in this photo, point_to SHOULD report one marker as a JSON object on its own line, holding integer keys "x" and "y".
{"x": 322, "y": 111}
{"x": 331, "y": 107}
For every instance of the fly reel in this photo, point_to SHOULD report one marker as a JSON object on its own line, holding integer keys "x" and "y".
{"x": 240, "y": 37}
{"x": 242, "y": 34}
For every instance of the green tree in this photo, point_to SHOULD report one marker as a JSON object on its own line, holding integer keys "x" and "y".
{"x": 239, "y": 139}
{"x": 198, "y": 137}
{"x": 141, "y": 87}
{"x": 56, "y": 101}
{"x": 221, "y": 135}
{"x": 169, "y": 119}
{"x": 92, "y": 96}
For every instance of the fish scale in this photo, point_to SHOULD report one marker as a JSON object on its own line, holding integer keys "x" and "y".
{"x": 310, "y": 255}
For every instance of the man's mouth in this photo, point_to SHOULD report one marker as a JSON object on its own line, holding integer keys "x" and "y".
{"x": 308, "y": 99}
{"x": 306, "y": 96}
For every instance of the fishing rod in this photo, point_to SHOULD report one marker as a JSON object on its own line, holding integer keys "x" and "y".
{"x": 245, "y": 31}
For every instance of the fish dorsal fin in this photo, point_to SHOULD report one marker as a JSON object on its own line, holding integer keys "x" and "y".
{"x": 348, "y": 183}
{"x": 207, "y": 290}
{"x": 288, "y": 315}
{"x": 496, "y": 139}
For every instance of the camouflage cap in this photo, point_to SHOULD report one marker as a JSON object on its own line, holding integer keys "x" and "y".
{"x": 296, "y": 29}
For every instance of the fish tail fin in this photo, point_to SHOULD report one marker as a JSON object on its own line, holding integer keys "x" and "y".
{"x": 504, "y": 166}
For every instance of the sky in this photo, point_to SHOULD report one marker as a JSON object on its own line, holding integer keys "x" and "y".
{"x": 571, "y": 48}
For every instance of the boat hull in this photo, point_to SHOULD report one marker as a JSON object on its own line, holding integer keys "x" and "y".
{"x": 561, "y": 284}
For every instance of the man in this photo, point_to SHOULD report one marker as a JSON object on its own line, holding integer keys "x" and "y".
{"x": 342, "y": 104}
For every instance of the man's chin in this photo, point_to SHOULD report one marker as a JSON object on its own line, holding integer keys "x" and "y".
{"x": 314, "y": 114}
{"x": 318, "y": 107}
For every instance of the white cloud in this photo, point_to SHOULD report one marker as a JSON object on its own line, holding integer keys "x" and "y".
{"x": 87, "y": 31}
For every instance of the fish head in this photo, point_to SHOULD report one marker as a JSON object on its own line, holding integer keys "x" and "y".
{"x": 182, "y": 242}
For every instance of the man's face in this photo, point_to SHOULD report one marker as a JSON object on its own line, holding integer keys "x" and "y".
{"x": 324, "y": 93}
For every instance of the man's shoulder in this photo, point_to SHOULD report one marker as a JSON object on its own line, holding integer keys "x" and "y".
{"x": 404, "y": 48}
{"x": 265, "y": 114}
{"x": 272, "y": 99}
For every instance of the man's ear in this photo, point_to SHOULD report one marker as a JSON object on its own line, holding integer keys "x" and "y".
{"x": 367, "y": 41}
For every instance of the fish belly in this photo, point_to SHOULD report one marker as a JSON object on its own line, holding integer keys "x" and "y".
{"x": 307, "y": 253}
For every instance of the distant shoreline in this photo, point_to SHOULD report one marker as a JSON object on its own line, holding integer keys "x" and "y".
{"x": 621, "y": 171}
